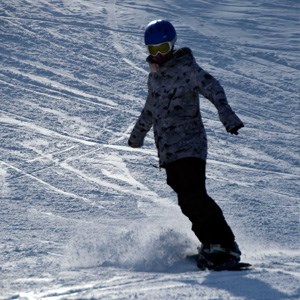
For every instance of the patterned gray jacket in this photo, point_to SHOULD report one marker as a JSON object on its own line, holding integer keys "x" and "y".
{"x": 172, "y": 108}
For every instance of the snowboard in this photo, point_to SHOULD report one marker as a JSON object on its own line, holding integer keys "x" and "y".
{"x": 203, "y": 264}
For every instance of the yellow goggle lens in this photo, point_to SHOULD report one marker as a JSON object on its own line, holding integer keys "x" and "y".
{"x": 162, "y": 48}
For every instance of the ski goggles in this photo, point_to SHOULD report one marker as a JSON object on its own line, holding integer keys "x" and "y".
{"x": 162, "y": 48}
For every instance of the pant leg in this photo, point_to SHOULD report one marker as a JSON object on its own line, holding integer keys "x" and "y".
{"x": 187, "y": 178}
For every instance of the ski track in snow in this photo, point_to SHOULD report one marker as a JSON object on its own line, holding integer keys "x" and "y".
{"x": 83, "y": 216}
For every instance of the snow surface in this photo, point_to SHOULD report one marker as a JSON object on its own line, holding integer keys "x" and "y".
{"x": 82, "y": 215}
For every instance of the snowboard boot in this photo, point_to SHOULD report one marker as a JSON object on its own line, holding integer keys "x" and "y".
{"x": 214, "y": 255}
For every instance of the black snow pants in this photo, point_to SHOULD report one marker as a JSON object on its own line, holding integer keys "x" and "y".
{"x": 187, "y": 178}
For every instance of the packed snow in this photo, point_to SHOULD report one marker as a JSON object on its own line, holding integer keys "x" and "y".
{"x": 83, "y": 216}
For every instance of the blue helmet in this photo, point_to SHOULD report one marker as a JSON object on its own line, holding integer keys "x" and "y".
{"x": 160, "y": 31}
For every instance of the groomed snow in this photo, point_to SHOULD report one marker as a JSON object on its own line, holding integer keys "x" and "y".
{"x": 82, "y": 215}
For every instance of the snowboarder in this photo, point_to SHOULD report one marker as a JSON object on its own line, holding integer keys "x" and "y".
{"x": 172, "y": 108}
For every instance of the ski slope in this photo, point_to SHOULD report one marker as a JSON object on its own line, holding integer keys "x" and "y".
{"x": 83, "y": 216}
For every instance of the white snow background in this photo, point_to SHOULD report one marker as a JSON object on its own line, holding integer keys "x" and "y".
{"x": 82, "y": 215}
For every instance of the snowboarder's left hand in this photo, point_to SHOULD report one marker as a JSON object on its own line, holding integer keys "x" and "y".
{"x": 230, "y": 120}
{"x": 235, "y": 129}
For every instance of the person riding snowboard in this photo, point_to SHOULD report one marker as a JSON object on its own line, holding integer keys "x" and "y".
{"x": 172, "y": 108}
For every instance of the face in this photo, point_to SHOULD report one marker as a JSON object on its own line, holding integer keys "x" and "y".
{"x": 160, "y": 53}
{"x": 161, "y": 58}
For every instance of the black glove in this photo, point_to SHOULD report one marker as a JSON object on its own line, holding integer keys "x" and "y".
{"x": 134, "y": 143}
{"x": 235, "y": 129}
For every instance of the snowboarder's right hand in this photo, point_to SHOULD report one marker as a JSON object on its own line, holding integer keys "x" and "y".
{"x": 134, "y": 143}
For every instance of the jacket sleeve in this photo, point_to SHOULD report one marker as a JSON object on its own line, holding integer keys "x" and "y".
{"x": 211, "y": 89}
{"x": 142, "y": 126}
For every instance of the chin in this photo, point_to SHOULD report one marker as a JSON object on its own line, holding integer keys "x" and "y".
{"x": 159, "y": 58}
